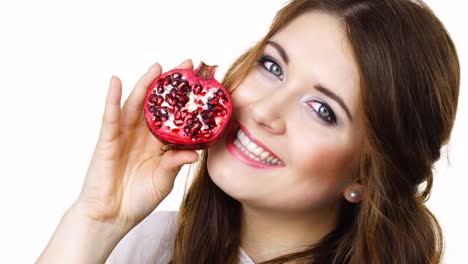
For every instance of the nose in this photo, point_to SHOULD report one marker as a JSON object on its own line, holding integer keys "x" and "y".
{"x": 268, "y": 112}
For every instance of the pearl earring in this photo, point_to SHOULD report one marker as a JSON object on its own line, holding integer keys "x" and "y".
{"x": 353, "y": 195}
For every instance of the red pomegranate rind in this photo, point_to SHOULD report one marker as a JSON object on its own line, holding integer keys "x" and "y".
{"x": 188, "y": 108}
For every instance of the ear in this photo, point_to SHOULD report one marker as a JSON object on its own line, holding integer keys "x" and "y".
{"x": 354, "y": 192}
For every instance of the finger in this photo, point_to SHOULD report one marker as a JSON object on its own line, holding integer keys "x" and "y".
{"x": 110, "y": 127}
{"x": 169, "y": 165}
{"x": 133, "y": 106}
{"x": 186, "y": 64}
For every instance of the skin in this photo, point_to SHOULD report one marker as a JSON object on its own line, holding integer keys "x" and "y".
{"x": 297, "y": 203}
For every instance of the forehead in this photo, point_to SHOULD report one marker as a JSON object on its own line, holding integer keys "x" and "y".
{"x": 319, "y": 51}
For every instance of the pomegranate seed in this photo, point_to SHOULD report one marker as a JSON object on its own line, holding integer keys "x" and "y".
{"x": 175, "y": 82}
{"x": 210, "y": 121}
{"x": 222, "y": 113}
{"x": 160, "y": 89}
{"x": 196, "y": 127}
{"x": 206, "y": 113}
{"x": 205, "y": 133}
{"x": 218, "y": 109}
{"x": 177, "y": 115}
{"x": 180, "y": 104}
{"x": 159, "y": 100}
{"x": 173, "y": 93}
{"x": 170, "y": 101}
{"x": 183, "y": 114}
{"x": 152, "y": 109}
{"x": 178, "y": 122}
{"x": 182, "y": 84}
{"x": 153, "y": 98}
{"x": 167, "y": 80}
{"x": 184, "y": 99}
{"x": 176, "y": 75}
{"x": 197, "y": 89}
{"x": 187, "y": 89}
{"x": 158, "y": 124}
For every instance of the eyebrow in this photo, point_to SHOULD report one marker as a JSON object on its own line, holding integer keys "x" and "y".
{"x": 280, "y": 50}
{"x": 335, "y": 97}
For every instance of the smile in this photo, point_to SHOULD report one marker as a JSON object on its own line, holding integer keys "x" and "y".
{"x": 249, "y": 150}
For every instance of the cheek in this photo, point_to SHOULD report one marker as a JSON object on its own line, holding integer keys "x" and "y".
{"x": 331, "y": 160}
{"x": 319, "y": 173}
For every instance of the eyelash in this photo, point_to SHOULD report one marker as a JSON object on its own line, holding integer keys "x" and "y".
{"x": 264, "y": 59}
{"x": 331, "y": 120}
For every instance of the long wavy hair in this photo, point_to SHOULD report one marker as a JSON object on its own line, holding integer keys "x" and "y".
{"x": 410, "y": 75}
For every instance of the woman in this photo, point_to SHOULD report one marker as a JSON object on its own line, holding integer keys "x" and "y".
{"x": 354, "y": 98}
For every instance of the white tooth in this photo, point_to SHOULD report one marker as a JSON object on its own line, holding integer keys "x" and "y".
{"x": 242, "y": 148}
{"x": 264, "y": 155}
{"x": 269, "y": 159}
{"x": 251, "y": 156}
{"x": 237, "y": 143}
{"x": 246, "y": 152}
{"x": 274, "y": 161}
{"x": 258, "y": 151}
{"x": 251, "y": 147}
{"x": 257, "y": 159}
{"x": 245, "y": 141}
{"x": 239, "y": 134}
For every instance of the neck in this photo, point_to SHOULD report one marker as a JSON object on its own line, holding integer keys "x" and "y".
{"x": 267, "y": 234}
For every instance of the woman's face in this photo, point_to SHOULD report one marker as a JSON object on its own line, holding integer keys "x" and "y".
{"x": 298, "y": 139}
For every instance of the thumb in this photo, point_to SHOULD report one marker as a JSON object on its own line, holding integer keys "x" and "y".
{"x": 170, "y": 164}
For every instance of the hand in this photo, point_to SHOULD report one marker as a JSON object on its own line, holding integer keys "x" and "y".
{"x": 129, "y": 174}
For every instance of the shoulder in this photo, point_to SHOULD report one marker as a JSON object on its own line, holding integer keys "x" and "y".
{"x": 151, "y": 241}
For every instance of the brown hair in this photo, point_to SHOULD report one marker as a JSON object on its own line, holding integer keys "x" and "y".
{"x": 410, "y": 76}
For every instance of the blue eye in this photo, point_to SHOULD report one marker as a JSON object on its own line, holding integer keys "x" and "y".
{"x": 272, "y": 66}
{"x": 323, "y": 111}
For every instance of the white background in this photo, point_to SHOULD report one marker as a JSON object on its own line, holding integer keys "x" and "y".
{"x": 56, "y": 59}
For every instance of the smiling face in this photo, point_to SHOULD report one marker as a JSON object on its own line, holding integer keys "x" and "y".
{"x": 299, "y": 140}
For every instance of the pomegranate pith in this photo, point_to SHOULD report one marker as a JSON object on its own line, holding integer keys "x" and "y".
{"x": 188, "y": 109}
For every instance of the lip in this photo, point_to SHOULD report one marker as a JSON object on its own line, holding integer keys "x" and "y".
{"x": 241, "y": 155}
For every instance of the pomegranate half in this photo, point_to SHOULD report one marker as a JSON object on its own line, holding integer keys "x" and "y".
{"x": 188, "y": 109}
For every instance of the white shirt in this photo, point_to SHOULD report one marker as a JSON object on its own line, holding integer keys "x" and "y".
{"x": 152, "y": 241}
